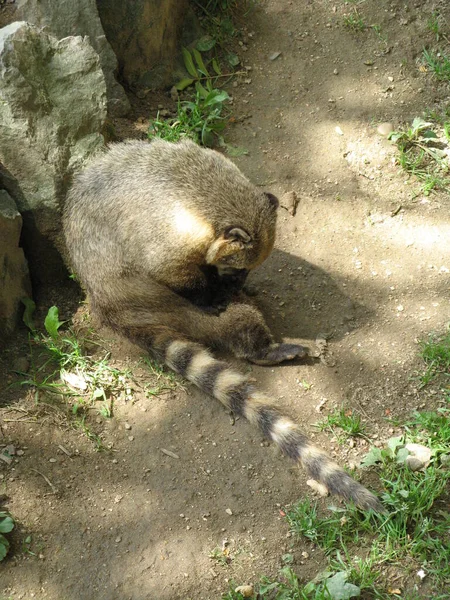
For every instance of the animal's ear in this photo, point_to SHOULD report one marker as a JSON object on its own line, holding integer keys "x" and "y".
{"x": 273, "y": 200}
{"x": 230, "y": 242}
{"x": 237, "y": 234}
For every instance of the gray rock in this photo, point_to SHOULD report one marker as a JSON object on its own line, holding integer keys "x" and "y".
{"x": 79, "y": 17}
{"x": 52, "y": 109}
{"x": 14, "y": 278}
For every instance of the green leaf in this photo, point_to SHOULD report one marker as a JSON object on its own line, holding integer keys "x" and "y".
{"x": 429, "y": 134}
{"x": 6, "y": 525}
{"x": 419, "y": 124}
{"x": 235, "y": 150}
{"x": 189, "y": 63}
{"x": 394, "y": 136}
{"x": 339, "y": 589}
{"x": 98, "y": 393}
{"x": 207, "y": 138}
{"x": 4, "y": 546}
{"x": 205, "y": 43}
{"x": 372, "y": 458}
{"x": 27, "y": 318}
{"x": 402, "y": 455}
{"x": 202, "y": 91}
{"x": 215, "y": 66}
{"x": 52, "y": 322}
{"x": 394, "y": 443}
{"x": 233, "y": 59}
{"x": 183, "y": 84}
{"x": 199, "y": 60}
{"x": 216, "y": 97}
{"x": 287, "y": 558}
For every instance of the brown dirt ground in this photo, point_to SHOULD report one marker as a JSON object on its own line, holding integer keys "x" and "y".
{"x": 134, "y": 523}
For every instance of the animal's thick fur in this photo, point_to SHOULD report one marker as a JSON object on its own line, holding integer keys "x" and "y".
{"x": 161, "y": 235}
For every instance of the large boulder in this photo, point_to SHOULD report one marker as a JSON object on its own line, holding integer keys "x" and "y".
{"x": 79, "y": 17}
{"x": 145, "y": 36}
{"x": 52, "y": 110}
{"x": 14, "y": 279}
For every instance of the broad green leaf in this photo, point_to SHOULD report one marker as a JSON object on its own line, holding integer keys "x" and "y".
{"x": 189, "y": 63}
{"x": 27, "y": 318}
{"x": 419, "y": 124}
{"x": 429, "y": 134}
{"x": 183, "y": 84}
{"x": 394, "y": 443}
{"x": 4, "y": 546}
{"x": 339, "y": 589}
{"x": 6, "y": 525}
{"x": 205, "y": 43}
{"x": 372, "y": 458}
{"x": 215, "y": 66}
{"x": 52, "y": 322}
{"x": 216, "y": 97}
{"x": 402, "y": 455}
{"x": 201, "y": 89}
{"x": 233, "y": 59}
{"x": 395, "y": 136}
{"x": 199, "y": 60}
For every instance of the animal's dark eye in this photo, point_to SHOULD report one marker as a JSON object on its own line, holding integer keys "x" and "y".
{"x": 273, "y": 200}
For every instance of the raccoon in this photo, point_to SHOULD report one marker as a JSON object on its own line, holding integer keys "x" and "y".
{"x": 162, "y": 237}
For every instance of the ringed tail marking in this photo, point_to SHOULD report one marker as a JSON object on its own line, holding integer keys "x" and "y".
{"x": 234, "y": 391}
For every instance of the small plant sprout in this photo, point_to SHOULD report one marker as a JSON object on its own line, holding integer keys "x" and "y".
{"x": 346, "y": 420}
{"x": 6, "y": 526}
{"x": 422, "y": 153}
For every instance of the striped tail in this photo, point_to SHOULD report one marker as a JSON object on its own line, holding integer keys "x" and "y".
{"x": 234, "y": 391}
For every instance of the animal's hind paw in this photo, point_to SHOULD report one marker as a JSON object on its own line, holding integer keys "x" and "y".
{"x": 279, "y": 353}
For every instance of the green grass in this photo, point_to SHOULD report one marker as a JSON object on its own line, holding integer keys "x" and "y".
{"x": 414, "y": 534}
{"x": 74, "y": 374}
{"x": 203, "y": 117}
{"x": 422, "y": 154}
{"x": 354, "y": 22}
{"x": 369, "y": 554}
{"x": 434, "y": 25}
{"x": 348, "y": 422}
{"x": 435, "y": 352}
{"x": 438, "y": 63}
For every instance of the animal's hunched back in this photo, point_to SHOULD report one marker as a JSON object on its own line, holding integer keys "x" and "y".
{"x": 162, "y": 237}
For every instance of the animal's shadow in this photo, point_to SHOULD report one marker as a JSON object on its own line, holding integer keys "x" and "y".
{"x": 300, "y": 300}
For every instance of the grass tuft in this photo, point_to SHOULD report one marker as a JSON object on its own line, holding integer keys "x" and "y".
{"x": 435, "y": 352}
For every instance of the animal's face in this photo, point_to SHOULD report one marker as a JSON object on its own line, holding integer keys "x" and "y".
{"x": 237, "y": 248}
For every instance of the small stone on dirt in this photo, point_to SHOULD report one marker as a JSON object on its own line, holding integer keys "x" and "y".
{"x": 338, "y": 130}
{"x": 229, "y": 511}
{"x": 420, "y": 453}
{"x": 127, "y": 426}
{"x": 385, "y": 129}
{"x": 245, "y": 590}
{"x": 118, "y": 539}
{"x": 169, "y": 453}
{"x": 289, "y": 200}
{"x": 274, "y": 55}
